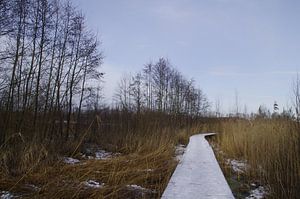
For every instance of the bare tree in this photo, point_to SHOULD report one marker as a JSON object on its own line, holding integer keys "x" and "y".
{"x": 218, "y": 107}
{"x": 5, "y": 17}
{"x": 164, "y": 85}
{"x": 148, "y": 84}
{"x": 237, "y": 103}
{"x": 46, "y": 61}
{"x": 136, "y": 92}
{"x": 122, "y": 95}
{"x": 296, "y": 96}
{"x": 161, "y": 72}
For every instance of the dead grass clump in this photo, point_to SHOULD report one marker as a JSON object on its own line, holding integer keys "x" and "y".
{"x": 18, "y": 160}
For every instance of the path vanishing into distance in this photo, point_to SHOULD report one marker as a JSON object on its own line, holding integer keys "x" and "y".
{"x": 198, "y": 175}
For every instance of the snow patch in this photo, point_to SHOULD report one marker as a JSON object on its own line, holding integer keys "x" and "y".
{"x": 179, "y": 151}
{"x": 139, "y": 188}
{"x": 95, "y": 152}
{"x": 102, "y": 155}
{"x": 136, "y": 187}
{"x": 6, "y": 195}
{"x": 93, "y": 184}
{"x": 258, "y": 193}
{"x": 69, "y": 160}
{"x": 238, "y": 166}
{"x": 241, "y": 166}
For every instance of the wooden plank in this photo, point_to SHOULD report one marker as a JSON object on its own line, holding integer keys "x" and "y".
{"x": 198, "y": 175}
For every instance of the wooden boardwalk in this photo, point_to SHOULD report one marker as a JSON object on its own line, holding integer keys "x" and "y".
{"x": 198, "y": 175}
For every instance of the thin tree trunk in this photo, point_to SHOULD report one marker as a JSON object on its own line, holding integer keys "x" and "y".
{"x": 42, "y": 43}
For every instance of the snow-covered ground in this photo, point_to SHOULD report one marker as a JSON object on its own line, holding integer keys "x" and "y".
{"x": 238, "y": 166}
{"x": 69, "y": 160}
{"x": 241, "y": 166}
{"x": 198, "y": 175}
{"x": 179, "y": 151}
{"x": 10, "y": 195}
{"x": 6, "y": 195}
{"x": 102, "y": 155}
{"x": 90, "y": 154}
{"x": 93, "y": 184}
{"x": 258, "y": 193}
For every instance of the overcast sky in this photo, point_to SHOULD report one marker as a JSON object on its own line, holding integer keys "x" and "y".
{"x": 248, "y": 46}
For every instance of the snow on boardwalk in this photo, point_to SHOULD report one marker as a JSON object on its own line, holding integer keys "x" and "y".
{"x": 198, "y": 175}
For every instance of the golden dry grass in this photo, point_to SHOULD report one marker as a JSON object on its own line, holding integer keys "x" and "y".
{"x": 150, "y": 170}
{"x": 270, "y": 146}
{"x": 147, "y": 159}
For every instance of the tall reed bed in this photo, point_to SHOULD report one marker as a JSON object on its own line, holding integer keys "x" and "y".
{"x": 270, "y": 146}
{"x": 146, "y": 143}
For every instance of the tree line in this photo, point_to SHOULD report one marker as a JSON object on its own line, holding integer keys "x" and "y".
{"x": 50, "y": 74}
{"x": 48, "y": 58}
{"x": 160, "y": 87}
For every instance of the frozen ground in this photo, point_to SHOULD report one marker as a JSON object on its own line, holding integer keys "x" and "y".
{"x": 258, "y": 193}
{"x": 238, "y": 166}
{"x": 93, "y": 184}
{"x": 69, "y": 160}
{"x": 6, "y": 195}
{"x": 91, "y": 153}
{"x": 198, "y": 175}
{"x": 179, "y": 151}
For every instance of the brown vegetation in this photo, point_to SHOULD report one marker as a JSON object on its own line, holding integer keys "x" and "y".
{"x": 270, "y": 146}
{"x": 146, "y": 143}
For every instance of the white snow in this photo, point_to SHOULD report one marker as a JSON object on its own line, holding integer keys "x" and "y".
{"x": 179, "y": 151}
{"x": 258, "y": 193}
{"x": 69, "y": 160}
{"x": 102, "y": 155}
{"x": 238, "y": 166}
{"x": 198, "y": 175}
{"x": 136, "y": 187}
{"x": 241, "y": 166}
{"x": 93, "y": 184}
{"x": 6, "y": 195}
